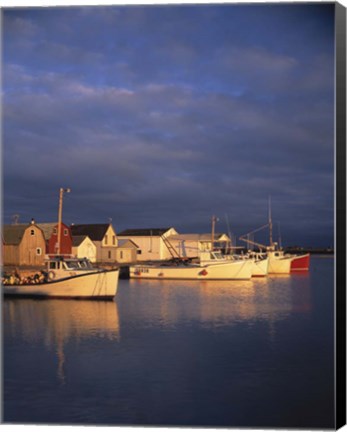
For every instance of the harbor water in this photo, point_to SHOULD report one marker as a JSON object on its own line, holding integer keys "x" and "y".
{"x": 256, "y": 353}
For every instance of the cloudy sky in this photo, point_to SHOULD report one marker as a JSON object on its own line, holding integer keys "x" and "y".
{"x": 161, "y": 116}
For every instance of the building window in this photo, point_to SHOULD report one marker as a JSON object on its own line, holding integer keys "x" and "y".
{"x": 32, "y": 232}
{"x": 65, "y": 232}
{"x": 121, "y": 254}
{"x": 106, "y": 240}
{"x": 113, "y": 240}
{"x": 55, "y": 231}
{"x": 139, "y": 252}
{"x": 109, "y": 254}
{"x": 38, "y": 251}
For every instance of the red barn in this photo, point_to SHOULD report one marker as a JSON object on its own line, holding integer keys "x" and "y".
{"x": 50, "y": 231}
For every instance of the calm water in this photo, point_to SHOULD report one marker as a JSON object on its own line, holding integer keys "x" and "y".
{"x": 244, "y": 354}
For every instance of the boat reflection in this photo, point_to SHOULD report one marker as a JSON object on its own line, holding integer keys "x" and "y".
{"x": 220, "y": 303}
{"x": 55, "y": 322}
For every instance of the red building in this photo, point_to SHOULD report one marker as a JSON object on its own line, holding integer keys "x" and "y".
{"x": 50, "y": 231}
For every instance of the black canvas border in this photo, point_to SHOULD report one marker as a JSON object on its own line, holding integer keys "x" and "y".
{"x": 340, "y": 232}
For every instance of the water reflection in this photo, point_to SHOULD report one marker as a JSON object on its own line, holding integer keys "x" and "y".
{"x": 55, "y": 322}
{"x": 219, "y": 303}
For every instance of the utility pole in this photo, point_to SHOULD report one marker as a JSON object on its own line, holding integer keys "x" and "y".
{"x": 60, "y": 213}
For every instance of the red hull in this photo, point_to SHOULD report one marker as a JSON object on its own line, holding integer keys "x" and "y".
{"x": 300, "y": 263}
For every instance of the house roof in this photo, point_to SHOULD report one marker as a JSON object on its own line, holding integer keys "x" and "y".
{"x": 143, "y": 232}
{"x": 13, "y": 234}
{"x": 77, "y": 240}
{"x": 126, "y": 243}
{"x": 95, "y": 232}
{"x": 47, "y": 229}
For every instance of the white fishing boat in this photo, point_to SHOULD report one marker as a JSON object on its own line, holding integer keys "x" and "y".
{"x": 260, "y": 264}
{"x": 66, "y": 278}
{"x": 212, "y": 266}
{"x": 279, "y": 262}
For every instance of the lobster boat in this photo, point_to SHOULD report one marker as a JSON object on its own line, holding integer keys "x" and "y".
{"x": 212, "y": 266}
{"x": 66, "y": 278}
{"x": 300, "y": 263}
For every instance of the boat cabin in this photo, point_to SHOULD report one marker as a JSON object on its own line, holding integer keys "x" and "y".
{"x": 211, "y": 257}
{"x": 60, "y": 267}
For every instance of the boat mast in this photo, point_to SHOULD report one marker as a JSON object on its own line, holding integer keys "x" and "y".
{"x": 214, "y": 220}
{"x": 60, "y": 213}
{"x": 270, "y": 222}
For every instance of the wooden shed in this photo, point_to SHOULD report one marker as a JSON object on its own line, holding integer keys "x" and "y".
{"x": 23, "y": 245}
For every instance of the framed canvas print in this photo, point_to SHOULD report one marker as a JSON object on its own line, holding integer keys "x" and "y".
{"x": 174, "y": 215}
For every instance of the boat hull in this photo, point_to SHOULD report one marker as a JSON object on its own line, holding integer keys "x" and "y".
{"x": 232, "y": 270}
{"x": 96, "y": 285}
{"x": 279, "y": 265}
{"x": 260, "y": 267}
{"x": 300, "y": 263}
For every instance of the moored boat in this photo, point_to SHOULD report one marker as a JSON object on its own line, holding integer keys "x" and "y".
{"x": 260, "y": 264}
{"x": 300, "y": 263}
{"x": 279, "y": 263}
{"x": 67, "y": 278}
{"x": 212, "y": 266}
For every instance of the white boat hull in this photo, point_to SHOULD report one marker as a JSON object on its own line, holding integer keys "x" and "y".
{"x": 279, "y": 265}
{"x": 95, "y": 285}
{"x": 260, "y": 267}
{"x": 231, "y": 270}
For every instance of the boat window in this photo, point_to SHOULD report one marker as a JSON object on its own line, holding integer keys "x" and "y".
{"x": 71, "y": 264}
{"x": 52, "y": 265}
{"x": 217, "y": 255}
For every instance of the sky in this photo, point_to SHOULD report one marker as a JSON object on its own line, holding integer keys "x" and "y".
{"x": 164, "y": 115}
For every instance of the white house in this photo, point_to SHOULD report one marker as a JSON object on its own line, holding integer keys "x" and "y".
{"x": 83, "y": 247}
{"x": 126, "y": 251}
{"x": 103, "y": 236}
{"x": 152, "y": 243}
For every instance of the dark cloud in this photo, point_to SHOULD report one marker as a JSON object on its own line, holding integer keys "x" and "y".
{"x": 165, "y": 115}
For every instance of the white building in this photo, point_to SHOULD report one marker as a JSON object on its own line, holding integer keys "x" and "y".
{"x": 190, "y": 245}
{"x": 151, "y": 242}
{"x": 83, "y": 247}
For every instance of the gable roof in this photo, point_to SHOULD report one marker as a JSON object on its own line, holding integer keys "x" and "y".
{"x": 143, "y": 232}
{"x": 47, "y": 229}
{"x": 95, "y": 232}
{"x": 13, "y": 234}
{"x": 77, "y": 240}
{"x": 127, "y": 243}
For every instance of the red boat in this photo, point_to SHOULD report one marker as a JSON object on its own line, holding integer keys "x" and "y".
{"x": 300, "y": 263}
